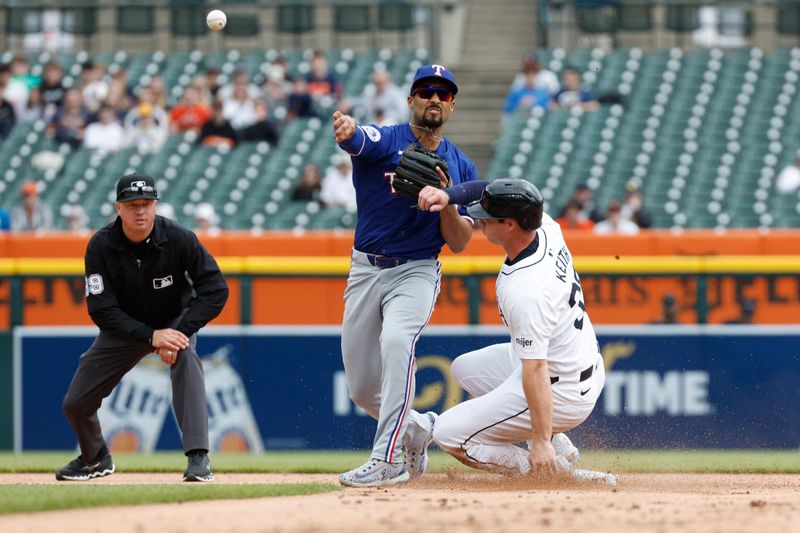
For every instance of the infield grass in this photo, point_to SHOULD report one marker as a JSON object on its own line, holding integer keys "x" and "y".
{"x": 336, "y": 461}
{"x": 34, "y": 498}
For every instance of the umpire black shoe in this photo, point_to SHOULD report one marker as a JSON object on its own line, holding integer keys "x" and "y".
{"x": 199, "y": 468}
{"x": 77, "y": 470}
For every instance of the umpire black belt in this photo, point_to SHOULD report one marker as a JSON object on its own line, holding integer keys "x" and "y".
{"x": 586, "y": 373}
{"x": 383, "y": 261}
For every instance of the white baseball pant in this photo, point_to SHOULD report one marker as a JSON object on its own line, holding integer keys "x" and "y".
{"x": 481, "y": 432}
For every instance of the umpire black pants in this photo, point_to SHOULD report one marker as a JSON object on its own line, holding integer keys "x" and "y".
{"x": 103, "y": 366}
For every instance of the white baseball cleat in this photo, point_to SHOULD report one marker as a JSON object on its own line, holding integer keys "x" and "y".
{"x": 566, "y": 452}
{"x": 375, "y": 473}
{"x": 416, "y": 446}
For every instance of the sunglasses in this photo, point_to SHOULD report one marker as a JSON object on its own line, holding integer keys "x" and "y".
{"x": 444, "y": 94}
{"x": 147, "y": 190}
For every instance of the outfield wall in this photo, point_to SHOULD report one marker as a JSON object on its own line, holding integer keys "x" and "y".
{"x": 286, "y": 278}
{"x": 284, "y": 388}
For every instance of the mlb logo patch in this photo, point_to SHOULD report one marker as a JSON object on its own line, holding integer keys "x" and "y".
{"x": 162, "y": 283}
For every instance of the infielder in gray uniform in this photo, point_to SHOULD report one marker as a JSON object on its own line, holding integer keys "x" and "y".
{"x": 394, "y": 275}
{"x": 150, "y": 285}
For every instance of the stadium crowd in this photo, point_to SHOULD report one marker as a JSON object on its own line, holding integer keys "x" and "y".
{"x": 104, "y": 111}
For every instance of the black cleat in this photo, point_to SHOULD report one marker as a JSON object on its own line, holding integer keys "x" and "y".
{"x": 77, "y": 470}
{"x": 199, "y": 468}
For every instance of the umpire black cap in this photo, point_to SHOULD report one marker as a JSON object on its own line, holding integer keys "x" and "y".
{"x": 136, "y": 187}
{"x": 510, "y": 198}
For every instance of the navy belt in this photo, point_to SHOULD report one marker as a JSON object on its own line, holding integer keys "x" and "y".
{"x": 382, "y": 261}
{"x": 586, "y": 373}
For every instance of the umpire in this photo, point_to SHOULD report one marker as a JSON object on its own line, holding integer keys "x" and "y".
{"x": 150, "y": 285}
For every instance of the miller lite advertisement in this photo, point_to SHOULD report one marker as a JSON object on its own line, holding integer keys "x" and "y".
{"x": 132, "y": 417}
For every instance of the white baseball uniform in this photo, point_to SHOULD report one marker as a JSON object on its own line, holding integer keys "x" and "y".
{"x": 541, "y": 303}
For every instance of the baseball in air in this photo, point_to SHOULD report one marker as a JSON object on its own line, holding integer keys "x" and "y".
{"x": 216, "y": 20}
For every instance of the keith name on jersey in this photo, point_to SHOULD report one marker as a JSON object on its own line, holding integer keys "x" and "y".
{"x": 563, "y": 259}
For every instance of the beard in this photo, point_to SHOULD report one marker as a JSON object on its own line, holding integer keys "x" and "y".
{"x": 432, "y": 122}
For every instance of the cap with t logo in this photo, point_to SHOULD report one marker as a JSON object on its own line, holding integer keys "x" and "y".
{"x": 431, "y": 73}
{"x": 136, "y": 187}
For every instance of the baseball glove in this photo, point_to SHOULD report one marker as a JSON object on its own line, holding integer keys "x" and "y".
{"x": 417, "y": 168}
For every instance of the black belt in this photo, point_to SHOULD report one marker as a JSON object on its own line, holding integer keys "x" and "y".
{"x": 382, "y": 261}
{"x": 586, "y": 373}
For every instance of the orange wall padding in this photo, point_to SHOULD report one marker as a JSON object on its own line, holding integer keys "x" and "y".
{"x": 288, "y": 300}
{"x": 243, "y": 243}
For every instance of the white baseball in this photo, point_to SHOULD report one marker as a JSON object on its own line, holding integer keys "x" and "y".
{"x": 216, "y": 20}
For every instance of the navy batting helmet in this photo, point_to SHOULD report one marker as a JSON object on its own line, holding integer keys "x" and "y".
{"x": 510, "y": 198}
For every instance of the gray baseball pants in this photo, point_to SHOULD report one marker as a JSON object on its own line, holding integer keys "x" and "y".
{"x": 103, "y": 366}
{"x": 385, "y": 311}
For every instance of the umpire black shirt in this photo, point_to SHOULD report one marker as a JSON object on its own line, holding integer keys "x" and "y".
{"x": 132, "y": 290}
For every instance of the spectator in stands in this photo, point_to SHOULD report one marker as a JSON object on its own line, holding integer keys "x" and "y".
{"x": 614, "y": 223}
{"x": 120, "y": 96}
{"x": 584, "y": 197}
{"x": 320, "y": 80}
{"x": 200, "y": 84}
{"x": 264, "y": 128}
{"x": 217, "y": 130}
{"x": 206, "y": 219}
{"x": 380, "y": 118}
{"x": 34, "y": 108}
{"x": 21, "y": 72}
{"x": 94, "y": 87}
{"x": 7, "y": 116}
{"x": 276, "y": 89}
{"x": 789, "y": 178}
{"x": 146, "y": 134}
{"x": 240, "y": 109}
{"x": 669, "y": 310}
{"x": 280, "y": 64}
{"x": 53, "y": 90}
{"x": 106, "y": 135}
{"x": 572, "y": 218}
{"x": 190, "y": 113}
{"x": 382, "y": 95}
{"x": 300, "y": 102}
{"x": 526, "y": 96}
{"x": 240, "y": 81}
{"x": 747, "y": 313}
{"x": 159, "y": 90}
{"x": 69, "y": 124}
{"x": 212, "y": 78}
{"x": 15, "y": 79}
{"x": 337, "y": 186}
{"x": 310, "y": 184}
{"x": 75, "y": 218}
{"x": 633, "y": 208}
{"x": 32, "y": 214}
{"x": 5, "y": 220}
{"x": 147, "y": 108}
{"x": 543, "y": 78}
{"x": 571, "y": 93}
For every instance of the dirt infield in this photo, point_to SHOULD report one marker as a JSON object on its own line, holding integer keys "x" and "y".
{"x": 457, "y": 501}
